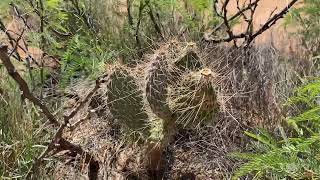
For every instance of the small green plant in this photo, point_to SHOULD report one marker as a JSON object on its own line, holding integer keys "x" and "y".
{"x": 82, "y": 59}
{"x": 20, "y": 134}
{"x": 306, "y": 18}
{"x": 296, "y": 154}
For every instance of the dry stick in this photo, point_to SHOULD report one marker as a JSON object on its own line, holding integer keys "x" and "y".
{"x": 225, "y": 18}
{"x": 271, "y": 22}
{"x": 234, "y": 16}
{"x": 17, "y": 12}
{"x": 23, "y": 86}
{"x": 249, "y": 29}
{"x": 155, "y": 23}
{"x": 130, "y": 18}
{"x": 11, "y": 39}
{"x": 59, "y": 143}
{"x": 17, "y": 45}
{"x": 226, "y": 21}
{"x": 138, "y": 42}
{"x": 17, "y": 42}
{"x": 57, "y": 140}
{"x": 250, "y": 38}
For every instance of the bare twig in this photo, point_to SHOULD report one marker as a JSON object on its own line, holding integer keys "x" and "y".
{"x": 239, "y": 13}
{"x": 58, "y": 143}
{"x": 17, "y": 13}
{"x": 130, "y": 19}
{"x": 271, "y": 22}
{"x": 23, "y": 86}
{"x": 141, "y": 8}
{"x": 10, "y": 38}
{"x": 154, "y": 21}
{"x": 17, "y": 42}
{"x": 249, "y": 35}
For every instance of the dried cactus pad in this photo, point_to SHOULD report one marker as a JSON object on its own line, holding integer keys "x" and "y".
{"x": 194, "y": 99}
{"x": 125, "y": 100}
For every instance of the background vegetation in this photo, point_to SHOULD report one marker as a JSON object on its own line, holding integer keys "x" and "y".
{"x": 87, "y": 36}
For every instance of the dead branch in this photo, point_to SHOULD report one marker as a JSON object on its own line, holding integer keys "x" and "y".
{"x": 23, "y": 86}
{"x": 273, "y": 20}
{"x": 130, "y": 19}
{"x": 18, "y": 14}
{"x": 17, "y": 42}
{"x": 138, "y": 41}
{"x": 233, "y": 17}
{"x": 10, "y": 38}
{"x": 13, "y": 42}
{"x": 249, "y": 35}
{"x": 58, "y": 143}
{"x": 154, "y": 21}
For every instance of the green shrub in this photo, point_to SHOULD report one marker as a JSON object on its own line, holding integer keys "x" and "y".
{"x": 20, "y": 134}
{"x": 306, "y": 18}
{"x": 296, "y": 154}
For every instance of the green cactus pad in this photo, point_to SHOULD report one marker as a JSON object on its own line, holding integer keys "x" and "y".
{"x": 125, "y": 100}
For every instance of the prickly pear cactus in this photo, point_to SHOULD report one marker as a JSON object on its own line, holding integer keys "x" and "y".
{"x": 164, "y": 69}
{"x": 171, "y": 87}
{"x": 194, "y": 100}
{"x": 156, "y": 87}
{"x": 125, "y": 99}
{"x": 188, "y": 59}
